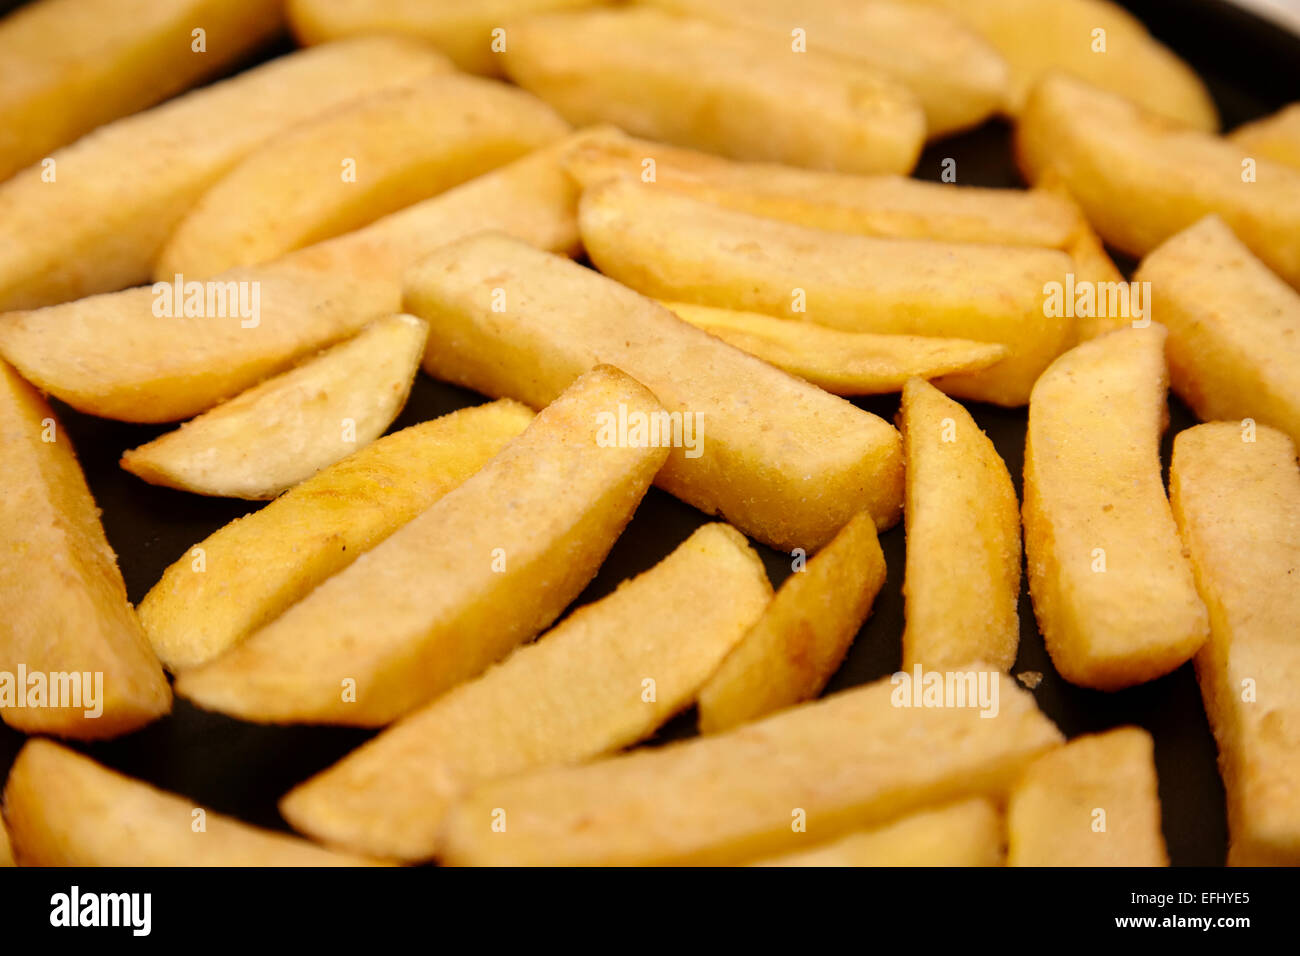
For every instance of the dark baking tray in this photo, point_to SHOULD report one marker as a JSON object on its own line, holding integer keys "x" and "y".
{"x": 1252, "y": 67}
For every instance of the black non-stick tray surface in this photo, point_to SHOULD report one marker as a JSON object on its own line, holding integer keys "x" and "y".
{"x": 1252, "y": 68}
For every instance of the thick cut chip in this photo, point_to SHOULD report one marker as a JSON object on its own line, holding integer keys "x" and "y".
{"x": 856, "y": 759}
{"x": 74, "y": 661}
{"x": 95, "y": 219}
{"x": 1140, "y": 180}
{"x": 244, "y": 575}
{"x": 170, "y": 352}
{"x": 797, "y": 645}
{"x": 1097, "y": 41}
{"x": 843, "y": 363}
{"x": 1092, "y": 802}
{"x": 289, "y": 427}
{"x": 674, "y": 247}
{"x": 6, "y": 852}
{"x": 471, "y": 32}
{"x": 968, "y": 833}
{"x": 64, "y": 809}
{"x": 1112, "y": 589}
{"x": 776, "y": 457}
{"x": 959, "y": 79}
{"x": 606, "y": 677}
{"x": 531, "y": 199}
{"x": 1234, "y": 327}
{"x": 1236, "y": 496}
{"x": 728, "y": 91}
{"x": 344, "y": 170}
{"x": 962, "y": 585}
{"x": 1275, "y": 137}
{"x": 485, "y": 568}
{"x": 891, "y": 206}
{"x": 66, "y": 66}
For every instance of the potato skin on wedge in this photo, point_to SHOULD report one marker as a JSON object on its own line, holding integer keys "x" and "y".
{"x": 1112, "y": 588}
{"x": 843, "y": 363}
{"x": 66, "y": 611}
{"x": 1093, "y": 802}
{"x": 962, "y": 586}
{"x": 854, "y": 759}
{"x": 289, "y": 427}
{"x": 670, "y": 246}
{"x": 1235, "y": 492}
{"x": 112, "y": 59}
{"x": 64, "y": 809}
{"x": 603, "y": 679}
{"x": 800, "y": 641}
{"x": 968, "y": 833}
{"x": 694, "y": 83}
{"x": 485, "y": 568}
{"x": 258, "y": 565}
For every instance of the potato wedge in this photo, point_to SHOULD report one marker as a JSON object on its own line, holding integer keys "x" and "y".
{"x": 461, "y": 30}
{"x": 778, "y": 458}
{"x": 1091, "y": 261}
{"x": 962, "y": 585}
{"x": 890, "y": 206}
{"x": 843, "y": 363}
{"x": 1112, "y": 589}
{"x": 531, "y": 199}
{"x": 800, "y": 641}
{"x": 266, "y": 561}
{"x": 673, "y": 247}
{"x": 1140, "y": 180}
{"x": 66, "y": 66}
{"x": 155, "y": 363}
{"x": 73, "y": 659}
{"x": 403, "y": 145}
{"x": 115, "y": 196}
{"x": 6, "y": 852}
{"x": 694, "y": 83}
{"x": 1092, "y": 802}
{"x": 968, "y": 833}
{"x": 1234, "y": 327}
{"x": 1036, "y": 37}
{"x": 1275, "y": 137}
{"x": 1237, "y": 503}
{"x": 289, "y": 427}
{"x": 485, "y": 568}
{"x": 812, "y": 772}
{"x": 603, "y": 679}
{"x": 64, "y": 809}
{"x": 958, "y": 79}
